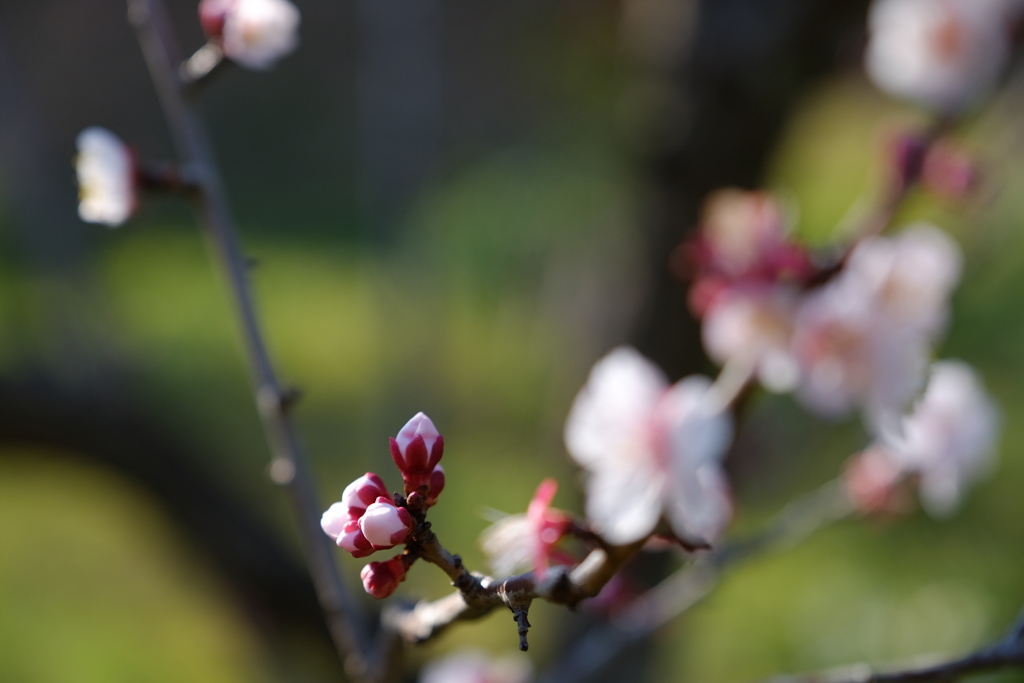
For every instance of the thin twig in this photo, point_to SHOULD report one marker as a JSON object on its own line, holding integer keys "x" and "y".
{"x": 1006, "y": 652}
{"x": 289, "y": 466}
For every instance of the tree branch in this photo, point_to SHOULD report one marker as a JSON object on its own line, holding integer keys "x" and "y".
{"x": 1006, "y": 652}
{"x": 289, "y": 467}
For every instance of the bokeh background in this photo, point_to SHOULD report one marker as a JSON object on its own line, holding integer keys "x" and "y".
{"x": 454, "y": 206}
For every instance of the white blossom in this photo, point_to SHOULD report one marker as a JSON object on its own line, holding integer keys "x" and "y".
{"x": 254, "y": 33}
{"x": 949, "y": 437}
{"x": 650, "y": 450}
{"x": 105, "y": 167}
{"x": 942, "y": 54}
{"x": 865, "y": 338}
{"x": 753, "y": 326}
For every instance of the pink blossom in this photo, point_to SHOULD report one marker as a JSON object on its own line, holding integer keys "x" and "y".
{"x": 384, "y": 524}
{"x": 743, "y": 239}
{"x": 942, "y": 54}
{"x": 753, "y": 326}
{"x": 650, "y": 449}
{"x": 107, "y": 178}
{"x": 380, "y": 579}
{"x": 519, "y": 542}
{"x": 416, "y": 450}
{"x": 254, "y": 33}
{"x": 864, "y": 338}
{"x": 949, "y": 437}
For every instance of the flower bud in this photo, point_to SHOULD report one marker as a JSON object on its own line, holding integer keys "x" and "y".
{"x": 352, "y": 539}
{"x": 436, "y": 485}
{"x": 361, "y": 493}
{"x": 380, "y": 579}
{"x": 384, "y": 524}
{"x": 334, "y": 520}
{"x": 416, "y": 450}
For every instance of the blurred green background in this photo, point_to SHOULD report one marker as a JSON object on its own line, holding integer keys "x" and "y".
{"x": 444, "y": 211}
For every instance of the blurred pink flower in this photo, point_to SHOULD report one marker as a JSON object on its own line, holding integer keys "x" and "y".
{"x": 254, "y": 33}
{"x": 753, "y": 326}
{"x": 864, "y": 339}
{"x": 942, "y": 54}
{"x": 948, "y": 439}
{"x": 650, "y": 449}
{"x": 521, "y": 542}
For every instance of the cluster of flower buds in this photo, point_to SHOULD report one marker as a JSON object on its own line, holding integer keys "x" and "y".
{"x": 253, "y": 33}
{"x": 368, "y": 518}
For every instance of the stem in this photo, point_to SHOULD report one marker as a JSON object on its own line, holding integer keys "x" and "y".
{"x": 289, "y": 467}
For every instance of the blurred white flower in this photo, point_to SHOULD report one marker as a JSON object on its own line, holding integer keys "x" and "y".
{"x": 650, "y": 449}
{"x": 753, "y": 325}
{"x": 474, "y": 666}
{"x": 105, "y": 167}
{"x": 948, "y": 439}
{"x": 865, "y": 338}
{"x": 910, "y": 276}
{"x": 254, "y": 33}
{"x": 942, "y": 54}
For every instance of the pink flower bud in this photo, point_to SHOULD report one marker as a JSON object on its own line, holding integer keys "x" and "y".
{"x": 436, "y": 485}
{"x": 417, "y": 449}
{"x": 384, "y": 524}
{"x": 380, "y": 579}
{"x": 352, "y": 539}
{"x": 334, "y": 520}
{"x": 211, "y": 16}
{"x": 361, "y": 493}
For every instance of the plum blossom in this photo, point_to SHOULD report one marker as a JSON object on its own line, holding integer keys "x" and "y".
{"x": 416, "y": 450}
{"x": 473, "y": 666}
{"x": 254, "y": 33}
{"x": 106, "y": 172}
{"x": 743, "y": 239}
{"x": 753, "y": 326}
{"x": 942, "y": 54}
{"x": 384, "y": 524}
{"x": 864, "y": 338}
{"x": 518, "y": 542}
{"x": 380, "y": 579}
{"x": 649, "y": 450}
{"x": 948, "y": 439}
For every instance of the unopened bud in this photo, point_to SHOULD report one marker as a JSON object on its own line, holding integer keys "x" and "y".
{"x": 384, "y": 524}
{"x": 362, "y": 493}
{"x": 380, "y": 579}
{"x": 416, "y": 450}
{"x": 352, "y": 539}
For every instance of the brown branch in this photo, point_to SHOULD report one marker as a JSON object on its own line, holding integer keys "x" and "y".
{"x": 289, "y": 467}
{"x": 478, "y": 595}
